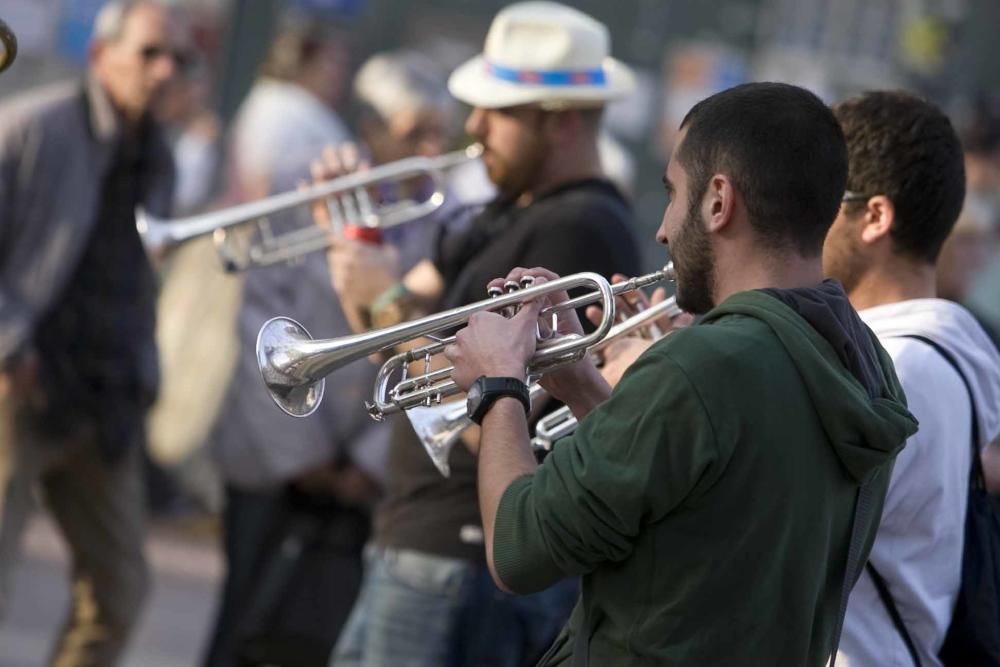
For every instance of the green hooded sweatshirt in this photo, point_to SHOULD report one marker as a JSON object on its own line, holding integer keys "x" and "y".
{"x": 708, "y": 502}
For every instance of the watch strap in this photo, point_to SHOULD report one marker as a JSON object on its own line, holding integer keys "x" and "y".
{"x": 494, "y": 388}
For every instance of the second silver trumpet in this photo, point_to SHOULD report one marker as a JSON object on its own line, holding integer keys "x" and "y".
{"x": 560, "y": 423}
{"x": 440, "y": 427}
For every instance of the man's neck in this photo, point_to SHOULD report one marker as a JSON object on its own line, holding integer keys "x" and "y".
{"x": 782, "y": 271}
{"x": 562, "y": 168}
{"x": 113, "y": 113}
{"x": 893, "y": 282}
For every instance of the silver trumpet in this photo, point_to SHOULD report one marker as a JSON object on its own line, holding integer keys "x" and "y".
{"x": 347, "y": 199}
{"x": 440, "y": 427}
{"x": 8, "y": 46}
{"x": 560, "y": 423}
{"x": 294, "y": 366}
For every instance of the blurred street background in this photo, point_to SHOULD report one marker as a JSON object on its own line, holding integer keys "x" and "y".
{"x": 681, "y": 50}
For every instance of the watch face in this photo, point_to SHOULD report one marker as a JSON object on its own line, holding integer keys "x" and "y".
{"x": 475, "y": 391}
{"x": 474, "y": 395}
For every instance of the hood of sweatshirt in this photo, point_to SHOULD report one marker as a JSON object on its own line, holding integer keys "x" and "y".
{"x": 848, "y": 375}
{"x": 954, "y": 328}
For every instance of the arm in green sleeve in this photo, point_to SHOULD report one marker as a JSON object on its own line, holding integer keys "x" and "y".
{"x": 630, "y": 462}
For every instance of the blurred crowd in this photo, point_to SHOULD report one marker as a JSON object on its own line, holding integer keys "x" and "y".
{"x": 293, "y": 498}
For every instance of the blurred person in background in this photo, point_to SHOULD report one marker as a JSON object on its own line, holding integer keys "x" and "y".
{"x": 195, "y": 294}
{"x": 290, "y": 483}
{"x": 405, "y": 110}
{"x": 427, "y": 597}
{"x": 77, "y": 316}
{"x": 194, "y": 132}
{"x": 617, "y": 163}
{"x": 905, "y": 189}
{"x": 966, "y": 259}
{"x": 290, "y": 109}
{"x": 969, "y": 266}
{"x": 981, "y": 142}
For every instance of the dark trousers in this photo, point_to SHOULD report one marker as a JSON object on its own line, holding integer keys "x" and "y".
{"x": 293, "y": 572}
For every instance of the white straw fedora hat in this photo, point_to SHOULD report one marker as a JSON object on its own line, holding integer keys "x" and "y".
{"x": 542, "y": 53}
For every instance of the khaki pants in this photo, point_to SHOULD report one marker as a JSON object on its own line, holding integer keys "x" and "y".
{"x": 100, "y": 510}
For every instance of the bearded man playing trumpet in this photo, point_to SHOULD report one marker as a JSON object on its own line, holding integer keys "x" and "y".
{"x": 537, "y": 94}
{"x": 708, "y": 501}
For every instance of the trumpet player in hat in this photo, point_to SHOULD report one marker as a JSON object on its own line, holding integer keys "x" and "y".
{"x": 537, "y": 94}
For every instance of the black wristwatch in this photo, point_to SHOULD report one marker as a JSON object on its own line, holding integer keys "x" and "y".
{"x": 485, "y": 391}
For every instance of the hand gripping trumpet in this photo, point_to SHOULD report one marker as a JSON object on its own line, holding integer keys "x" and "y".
{"x": 560, "y": 423}
{"x": 346, "y": 198}
{"x": 294, "y": 365}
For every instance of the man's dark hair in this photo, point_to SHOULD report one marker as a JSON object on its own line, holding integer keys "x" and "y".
{"x": 783, "y": 150}
{"x": 905, "y": 148}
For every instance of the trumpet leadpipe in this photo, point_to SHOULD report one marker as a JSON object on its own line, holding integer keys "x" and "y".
{"x": 617, "y": 289}
{"x": 159, "y": 235}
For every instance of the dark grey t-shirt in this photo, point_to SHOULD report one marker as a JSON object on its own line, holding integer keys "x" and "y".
{"x": 581, "y": 226}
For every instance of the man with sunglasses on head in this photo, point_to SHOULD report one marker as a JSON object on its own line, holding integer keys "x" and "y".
{"x": 537, "y": 94}
{"x": 77, "y": 296}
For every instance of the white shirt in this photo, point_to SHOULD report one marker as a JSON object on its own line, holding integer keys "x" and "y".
{"x": 918, "y": 549}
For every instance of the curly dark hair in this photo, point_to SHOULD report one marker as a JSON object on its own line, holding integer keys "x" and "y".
{"x": 905, "y": 148}
{"x": 783, "y": 150}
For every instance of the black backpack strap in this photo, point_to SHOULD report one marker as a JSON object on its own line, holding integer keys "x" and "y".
{"x": 977, "y": 478}
{"x": 862, "y": 517}
{"x": 890, "y": 606}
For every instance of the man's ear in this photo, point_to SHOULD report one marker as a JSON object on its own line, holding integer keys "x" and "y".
{"x": 720, "y": 203}
{"x": 879, "y": 217}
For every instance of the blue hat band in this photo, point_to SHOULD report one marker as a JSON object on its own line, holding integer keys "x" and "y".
{"x": 562, "y": 78}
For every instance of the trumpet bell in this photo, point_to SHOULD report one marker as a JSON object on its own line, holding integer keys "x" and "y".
{"x": 439, "y": 427}
{"x": 8, "y": 46}
{"x": 293, "y": 397}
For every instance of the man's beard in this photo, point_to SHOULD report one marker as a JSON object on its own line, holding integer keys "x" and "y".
{"x": 842, "y": 257}
{"x": 694, "y": 264}
{"x": 515, "y": 177}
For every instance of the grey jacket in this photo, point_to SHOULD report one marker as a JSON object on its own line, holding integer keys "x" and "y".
{"x": 56, "y": 145}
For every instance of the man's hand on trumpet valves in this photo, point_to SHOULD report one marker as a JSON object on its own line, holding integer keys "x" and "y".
{"x": 333, "y": 162}
{"x": 360, "y": 271}
{"x": 494, "y": 345}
